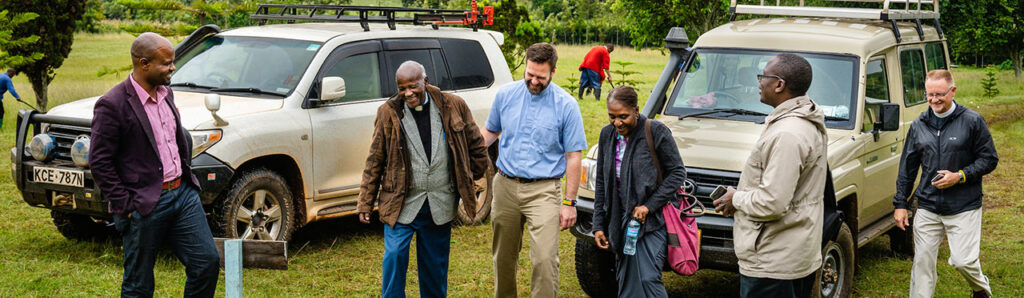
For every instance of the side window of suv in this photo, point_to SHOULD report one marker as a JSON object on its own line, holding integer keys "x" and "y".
{"x": 359, "y": 65}
{"x": 362, "y": 76}
{"x": 431, "y": 60}
{"x": 912, "y": 71}
{"x": 876, "y": 92}
{"x": 468, "y": 63}
{"x": 935, "y": 53}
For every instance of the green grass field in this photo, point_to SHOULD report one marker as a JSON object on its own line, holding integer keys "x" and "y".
{"x": 342, "y": 257}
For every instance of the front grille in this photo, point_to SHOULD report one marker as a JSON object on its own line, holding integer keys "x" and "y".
{"x": 706, "y": 180}
{"x": 63, "y": 137}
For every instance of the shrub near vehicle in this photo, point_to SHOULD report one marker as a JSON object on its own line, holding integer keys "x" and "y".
{"x": 279, "y": 118}
{"x": 868, "y": 77}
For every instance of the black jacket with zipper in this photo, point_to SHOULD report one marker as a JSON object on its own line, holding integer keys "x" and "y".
{"x": 639, "y": 180}
{"x": 964, "y": 143}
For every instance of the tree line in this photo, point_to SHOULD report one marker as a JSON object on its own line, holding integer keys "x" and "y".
{"x": 36, "y": 36}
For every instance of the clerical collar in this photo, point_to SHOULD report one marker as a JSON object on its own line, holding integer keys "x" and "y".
{"x": 426, "y": 100}
{"x": 947, "y": 113}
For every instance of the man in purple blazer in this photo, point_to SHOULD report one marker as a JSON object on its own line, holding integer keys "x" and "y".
{"x": 141, "y": 162}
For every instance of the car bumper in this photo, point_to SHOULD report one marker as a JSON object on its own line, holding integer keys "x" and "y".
{"x": 214, "y": 176}
{"x": 716, "y": 246}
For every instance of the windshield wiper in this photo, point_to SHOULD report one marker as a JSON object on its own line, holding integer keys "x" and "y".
{"x": 834, "y": 118}
{"x": 731, "y": 110}
{"x": 247, "y": 89}
{"x": 191, "y": 85}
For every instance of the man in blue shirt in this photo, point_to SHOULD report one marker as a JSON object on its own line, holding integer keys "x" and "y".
{"x": 6, "y": 85}
{"x": 541, "y": 140}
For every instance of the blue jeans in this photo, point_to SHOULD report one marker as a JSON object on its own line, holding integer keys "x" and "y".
{"x": 178, "y": 219}
{"x": 590, "y": 79}
{"x": 433, "y": 242}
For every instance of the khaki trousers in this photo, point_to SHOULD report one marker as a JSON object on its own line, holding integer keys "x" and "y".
{"x": 963, "y": 232}
{"x": 515, "y": 204}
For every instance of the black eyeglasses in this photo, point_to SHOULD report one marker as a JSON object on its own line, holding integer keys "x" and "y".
{"x": 762, "y": 76}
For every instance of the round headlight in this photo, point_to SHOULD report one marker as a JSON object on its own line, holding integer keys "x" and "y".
{"x": 80, "y": 151}
{"x": 41, "y": 147}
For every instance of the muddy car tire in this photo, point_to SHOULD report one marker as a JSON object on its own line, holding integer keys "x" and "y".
{"x": 484, "y": 196}
{"x": 81, "y": 227}
{"x": 835, "y": 278}
{"x": 595, "y": 270}
{"x": 259, "y": 206}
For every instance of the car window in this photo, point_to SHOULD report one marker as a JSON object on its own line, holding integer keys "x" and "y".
{"x": 876, "y": 92}
{"x": 912, "y": 71}
{"x": 269, "y": 64}
{"x": 435, "y": 74}
{"x": 361, "y": 74}
{"x": 468, "y": 63}
{"x": 727, "y": 79}
{"x": 936, "y": 55}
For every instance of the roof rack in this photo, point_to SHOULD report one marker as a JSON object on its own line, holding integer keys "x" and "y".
{"x": 887, "y": 12}
{"x": 374, "y": 14}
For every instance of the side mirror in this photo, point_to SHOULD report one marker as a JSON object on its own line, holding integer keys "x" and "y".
{"x": 890, "y": 116}
{"x": 888, "y": 119}
{"x": 213, "y": 105}
{"x": 332, "y": 88}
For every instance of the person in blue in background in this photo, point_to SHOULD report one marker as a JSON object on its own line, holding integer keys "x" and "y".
{"x": 6, "y": 85}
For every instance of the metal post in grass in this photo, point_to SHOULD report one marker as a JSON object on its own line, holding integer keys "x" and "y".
{"x": 233, "y": 268}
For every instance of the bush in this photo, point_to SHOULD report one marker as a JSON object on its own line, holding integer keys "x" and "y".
{"x": 175, "y": 29}
{"x": 1006, "y": 65}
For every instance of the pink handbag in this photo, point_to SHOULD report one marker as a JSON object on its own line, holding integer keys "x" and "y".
{"x": 683, "y": 235}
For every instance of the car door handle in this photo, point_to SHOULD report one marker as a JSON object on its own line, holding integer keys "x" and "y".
{"x": 893, "y": 148}
{"x": 872, "y": 159}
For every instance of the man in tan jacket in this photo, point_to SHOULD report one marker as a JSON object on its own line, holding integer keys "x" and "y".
{"x": 778, "y": 206}
{"x": 426, "y": 153}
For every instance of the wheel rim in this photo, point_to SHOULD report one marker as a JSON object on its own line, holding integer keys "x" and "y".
{"x": 832, "y": 271}
{"x": 259, "y": 216}
{"x": 481, "y": 197}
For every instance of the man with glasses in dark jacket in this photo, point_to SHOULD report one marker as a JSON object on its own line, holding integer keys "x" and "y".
{"x": 952, "y": 146}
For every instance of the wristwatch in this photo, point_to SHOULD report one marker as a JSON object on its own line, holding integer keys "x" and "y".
{"x": 568, "y": 202}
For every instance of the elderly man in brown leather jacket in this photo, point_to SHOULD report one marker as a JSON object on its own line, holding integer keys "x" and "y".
{"x": 426, "y": 154}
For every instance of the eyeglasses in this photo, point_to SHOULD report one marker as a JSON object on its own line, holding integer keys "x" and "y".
{"x": 762, "y": 76}
{"x": 936, "y": 95}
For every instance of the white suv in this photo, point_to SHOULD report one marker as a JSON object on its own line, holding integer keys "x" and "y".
{"x": 280, "y": 118}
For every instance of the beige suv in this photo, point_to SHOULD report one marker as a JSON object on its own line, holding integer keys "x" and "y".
{"x": 280, "y": 117}
{"x": 869, "y": 68}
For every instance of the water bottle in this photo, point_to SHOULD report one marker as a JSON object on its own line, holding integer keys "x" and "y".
{"x": 632, "y": 231}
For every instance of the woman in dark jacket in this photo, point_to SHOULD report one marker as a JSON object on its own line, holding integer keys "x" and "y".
{"x": 627, "y": 187}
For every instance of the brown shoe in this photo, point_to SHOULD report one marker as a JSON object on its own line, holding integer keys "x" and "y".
{"x": 980, "y": 294}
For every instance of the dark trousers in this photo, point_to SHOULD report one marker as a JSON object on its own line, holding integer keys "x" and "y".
{"x": 433, "y": 242}
{"x": 772, "y": 288}
{"x": 639, "y": 275}
{"x": 178, "y": 219}
{"x": 590, "y": 79}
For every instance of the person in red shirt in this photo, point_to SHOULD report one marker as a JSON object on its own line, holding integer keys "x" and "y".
{"x": 593, "y": 69}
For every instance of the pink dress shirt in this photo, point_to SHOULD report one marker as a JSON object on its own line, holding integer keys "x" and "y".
{"x": 162, "y": 121}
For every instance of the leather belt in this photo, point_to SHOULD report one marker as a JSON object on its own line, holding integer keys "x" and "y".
{"x": 526, "y": 180}
{"x": 173, "y": 184}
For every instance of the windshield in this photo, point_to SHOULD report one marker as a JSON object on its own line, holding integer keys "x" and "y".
{"x": 265, "y": 66}
{"x": 727, "y": 79}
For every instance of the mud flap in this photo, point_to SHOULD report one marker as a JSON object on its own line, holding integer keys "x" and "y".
{"x": 833, "y": 216}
